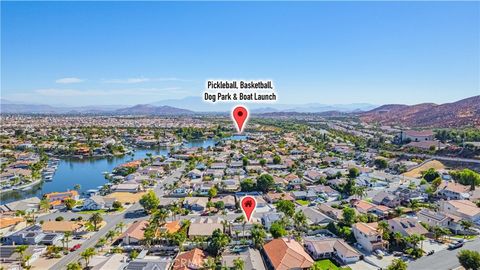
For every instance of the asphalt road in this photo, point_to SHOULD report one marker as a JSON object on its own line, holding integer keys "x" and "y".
{"x": 112, "y": 221}
{"x": 443, "y": 260}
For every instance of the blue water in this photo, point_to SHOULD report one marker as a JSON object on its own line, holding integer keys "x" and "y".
{"x": 88, "y": 172}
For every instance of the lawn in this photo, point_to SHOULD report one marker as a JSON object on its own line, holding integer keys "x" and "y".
{"x": 101, "y": 211}
{"x": 328, "y": 265}
{"x": 302, "y": 202}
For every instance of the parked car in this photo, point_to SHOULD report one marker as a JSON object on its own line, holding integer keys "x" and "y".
{"x": 77, "y": 246}
{"x": 378, "y": 253}
{"x": 457, "y": 244}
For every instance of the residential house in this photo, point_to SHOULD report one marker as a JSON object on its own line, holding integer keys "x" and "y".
{"x": 56, "y": 199}
{"x": 97, "y": 202}
{"x": 406, "y": 226}
{"x": 462, "y": 208}
{"x": 315, "y": 217}
{"x": 334, "y": 213}
{"x": 195, "y": 203}
{"x": 28, "y": 205}
{"x": 453, "y": 191}
{"x": 9, "y": 255}
{"x": 273, "y": 197}
{"x": 439, "y": 219}
{"x": 251, "y": 258}
{"x": 193, "y": 259}
{"x": 148, "y": 264}
{"x": 204, "y": 226}
{"x": 135, "y": 233}
{"x": 331, "y": 248}
{"x": 62, "y": 226}
{"x": 417, "y": 135}
{"x": 127, "y": 187}
{"x": 387, "y": 199}
{"x": 195, "y": 174}
{"x": 286, "y": 253}
{"x": 228, "y": 201}
{"x": 269, "y": 218}
{"x": 368, "y": 236}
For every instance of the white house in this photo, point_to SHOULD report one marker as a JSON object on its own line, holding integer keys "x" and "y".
{"x": 367, "y": 235}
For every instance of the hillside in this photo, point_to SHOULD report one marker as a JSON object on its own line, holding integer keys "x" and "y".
{"x": 146, "y": 109}
{"x": 465, "y": 112}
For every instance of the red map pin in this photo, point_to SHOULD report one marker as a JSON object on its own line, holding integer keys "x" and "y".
{"x": 240, "y": 115}
{"x": 248, "y": 205}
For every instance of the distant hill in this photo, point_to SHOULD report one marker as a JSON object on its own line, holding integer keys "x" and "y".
{"x": 465, "y": 112}
{"x": 197, "y": 104}
{"x": 147, "y": 109}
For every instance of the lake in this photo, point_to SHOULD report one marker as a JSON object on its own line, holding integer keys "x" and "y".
{"x": 89, "y": 172}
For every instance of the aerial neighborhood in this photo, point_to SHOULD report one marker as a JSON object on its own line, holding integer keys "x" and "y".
{"x": 330, "y": 194}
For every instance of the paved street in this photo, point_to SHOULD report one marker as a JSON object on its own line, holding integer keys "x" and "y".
{"x": 443, "y": 260}
{"x": 112, "y": 221}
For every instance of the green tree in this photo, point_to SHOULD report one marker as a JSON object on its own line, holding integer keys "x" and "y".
{"x": 286, "y": 207}
{"x": 66, "y": 237}
{"x": 149, "y": 201}
{"x": 212, "y": 192}
{"x": 277, "y": 229}
{"x": 69, "y": 203}
{"x": 353, "y": 172}
{"x": 467, "y": 177}
{"x": 265, "y": 182}
{"x": 381, "y": 163}
{"x": 74, "y": 266}
{"x": 247, "y": 185}
{"x": 258, "y": 236}
{"x": 469, "y": 259}
{"x": 277, "y": 159}
{"x": 133, "y": 254}
{"x": 87, "y": 254}
{"x": 217, "y": 242}
{"x": 349, "y": 216}
{"x": 397, "y": 264}
{"x": 44, "y": 205}
{"x": 95, "y": 219}
{"x": 430, "y": 174}
{"x": 238, "y": 264}
{"x": 300, "y": 220}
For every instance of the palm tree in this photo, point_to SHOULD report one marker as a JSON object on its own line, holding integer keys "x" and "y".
{"x": 466, "y": 224}
{"x": 398, "y": 237}
{"x": 110, "y": 235}
{"x": 160, "y": 216}
{"x": 87, "y": 254}
{"x": 382, "y": 228}
{"x": 299, "y": 220}
{"x": 258, "y": 236}
{"x": 238, "y": 264}
{"x": 95, "y": 219}
{"x": 21, "y": 250}
{"x": 119, "y": 227}
{"x": 66, "y": 237}
{"x": 74, "y": 266}
{"x": 44, "y": 205}
{"x": 360, "y": 191}
{"x": 210, "y": 264}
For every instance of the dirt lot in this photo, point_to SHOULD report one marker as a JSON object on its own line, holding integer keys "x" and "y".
{"x": 126, "y": 197}
{"x": 417, "y": 172}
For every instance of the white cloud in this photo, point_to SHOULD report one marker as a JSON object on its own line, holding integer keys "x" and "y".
{"x": 139, "y": 80}
{"x": 69, "y": 80}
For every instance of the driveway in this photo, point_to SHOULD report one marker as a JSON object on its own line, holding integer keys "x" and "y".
{"x": 444, "y": 259}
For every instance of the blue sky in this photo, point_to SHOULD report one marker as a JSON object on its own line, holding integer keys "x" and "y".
{"x": 79, "y": 53}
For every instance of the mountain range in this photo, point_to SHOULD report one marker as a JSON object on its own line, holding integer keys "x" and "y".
{"x": 465, "y": 112}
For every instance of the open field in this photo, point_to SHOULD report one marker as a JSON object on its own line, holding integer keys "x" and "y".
{"x": 417, "y": 172}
